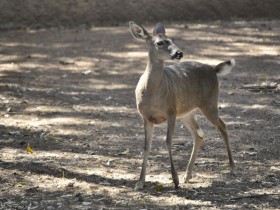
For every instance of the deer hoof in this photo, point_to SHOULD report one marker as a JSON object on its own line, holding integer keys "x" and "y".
{"x": 233, "y": 173}
{"x": 139, "y": 185}
{"x": 187, "y": 178}
{"x": 176, "y": 186}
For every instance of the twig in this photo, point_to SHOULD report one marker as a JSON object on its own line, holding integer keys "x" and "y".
{"x": 259, "y": 88}
{"x": 253, "y": 196}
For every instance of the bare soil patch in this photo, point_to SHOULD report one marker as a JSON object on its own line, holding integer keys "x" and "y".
{"x": 69, "y": 94}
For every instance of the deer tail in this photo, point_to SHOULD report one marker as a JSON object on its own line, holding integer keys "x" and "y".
{"x": 225, "y": 67}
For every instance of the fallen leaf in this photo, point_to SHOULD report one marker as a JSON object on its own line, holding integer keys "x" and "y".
{"x": 158, "y": 187}
{"x": 14, "y": 133}
{"x": 76, "y": 109}
{"x": 274, "y": 168}
{"x": 66, "y": 196}
{"x": 142, "y": 202}
{"x": 53, "y": 138}
{"x": 66, "y": 61}
{"x": 115, "y": 125}
{"x": 252, "y": 153}
{"x": 86, "y": 203}
{"x": 29, "y": 149}
{"x": 171, "y": 191}
{"x": 70, "y": 184}
{"x": 108, "y": 162}
{"x": 21, "y": 183}
{"x": 105, "y": 183}
{"x": 86, "y": 72}
{"x": 76, "y": 98}
{"x": 226, "y": 171}
{"x": 30, "y": 207}
{"x": 124, "y": 152}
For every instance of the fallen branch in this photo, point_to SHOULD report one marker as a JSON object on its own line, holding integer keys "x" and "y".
{"x": 261, "y": 88}
{"x": 253, "y": 196}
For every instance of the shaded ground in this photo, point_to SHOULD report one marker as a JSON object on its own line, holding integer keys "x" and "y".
{"x": 16, "y": 14}
{"x": 70, "y": 95}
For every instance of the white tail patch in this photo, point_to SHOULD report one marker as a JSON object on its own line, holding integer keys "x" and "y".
{"x": 200, "y": 132}
{"x": 232, "y": 62}
{"x": 226, "y": 68}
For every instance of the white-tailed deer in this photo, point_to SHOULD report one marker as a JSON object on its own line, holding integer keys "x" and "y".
{"x": 176, "y": 91}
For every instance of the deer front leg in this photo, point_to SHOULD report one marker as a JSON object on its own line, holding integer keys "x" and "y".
{"x": 149, "y": 128}
{"x": 170, "y": 131}
{"x": 197, "y": 135}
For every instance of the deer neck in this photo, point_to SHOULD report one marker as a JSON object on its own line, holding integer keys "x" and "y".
{"x": 154, "y": 71}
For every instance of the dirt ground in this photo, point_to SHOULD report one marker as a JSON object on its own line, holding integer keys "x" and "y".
{"x": 69, "y": 94}
{"x": 16, "y": 14}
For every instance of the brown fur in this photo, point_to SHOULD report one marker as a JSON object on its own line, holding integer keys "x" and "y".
{"x": 176, "y": 91}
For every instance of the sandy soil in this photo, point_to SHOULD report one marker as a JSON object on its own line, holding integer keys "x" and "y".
{"x": 69, "y": 94}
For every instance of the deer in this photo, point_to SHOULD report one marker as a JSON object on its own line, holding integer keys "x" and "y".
{"x": 178, "y": 91}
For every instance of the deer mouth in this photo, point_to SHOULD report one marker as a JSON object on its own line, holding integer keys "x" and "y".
{"x": 177, "y": 55}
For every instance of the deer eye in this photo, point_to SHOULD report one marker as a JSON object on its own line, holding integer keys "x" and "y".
{"x": 167, "y": 42}
{"x": 160, "y": 43}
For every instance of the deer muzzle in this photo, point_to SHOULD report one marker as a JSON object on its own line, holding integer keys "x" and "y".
{"x": 176, "y": 55}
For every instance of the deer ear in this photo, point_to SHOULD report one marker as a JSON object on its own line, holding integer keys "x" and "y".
{"x": 138, "y": 32}
{"x": 159, "y": 29}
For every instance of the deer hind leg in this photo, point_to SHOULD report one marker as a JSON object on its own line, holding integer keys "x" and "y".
{"x": 149, "y": 128}
{"x": 197, "y": 135}
{"x": 214, "y": 118}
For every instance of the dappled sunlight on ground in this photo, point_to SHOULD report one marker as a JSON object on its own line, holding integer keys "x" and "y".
{"x": 69, "y": 94}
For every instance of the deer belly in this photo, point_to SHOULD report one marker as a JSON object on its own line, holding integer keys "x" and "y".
{"x": 153, "y": 114}
{"x": 156, "y": 119}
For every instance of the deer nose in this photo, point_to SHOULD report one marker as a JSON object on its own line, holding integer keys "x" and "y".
{"x": 177, "y": 55}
